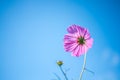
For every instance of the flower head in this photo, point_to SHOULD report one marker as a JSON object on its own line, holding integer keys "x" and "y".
{"x": 78, "y": 40}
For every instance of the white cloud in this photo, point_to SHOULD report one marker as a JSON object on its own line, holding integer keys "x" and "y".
{"x": 110, "y": 56}
{"x": 106, "y": 76}
{"x": 115, "y": 60}
{"x": 106, "y": 54}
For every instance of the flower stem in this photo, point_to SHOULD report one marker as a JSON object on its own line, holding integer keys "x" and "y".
{"x": 63, "y": 73}
{"x": 89, "y": 71}
{"x": 83, "y": 67}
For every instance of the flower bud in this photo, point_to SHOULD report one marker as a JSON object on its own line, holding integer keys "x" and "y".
{"x": 59, "y": 63}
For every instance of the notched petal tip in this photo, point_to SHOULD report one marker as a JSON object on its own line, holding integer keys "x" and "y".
{"x": 89, "y": 42}
{"x": 75, "y": 55}
{"x": 72, "y": 29}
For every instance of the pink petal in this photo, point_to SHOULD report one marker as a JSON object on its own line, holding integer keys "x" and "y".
{"x": 80, "y": 50}
{"x": 84, "y": 49}
{"x": 89, "y": 43}
{"x": 86, "y": 34}
{"x": 70, "y": 37}
{"x": 81, "y": 31}
{"x": 72, "y": 29}
{"x": 70, "y": 47}
{"x": 76, "y": 51}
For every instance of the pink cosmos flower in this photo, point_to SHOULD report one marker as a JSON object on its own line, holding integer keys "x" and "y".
{"x": 78, "y": 40}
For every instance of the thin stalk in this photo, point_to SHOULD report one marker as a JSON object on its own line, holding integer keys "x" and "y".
{"x": 89, "y": 71}
{"x": 63, "y": 73}
{"x": 83, "y": 67}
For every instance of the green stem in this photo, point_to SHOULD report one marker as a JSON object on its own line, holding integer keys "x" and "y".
{"x": 89, "y": 71}
{"x": 83, "y": 67}
{"x": 63, "y": 73}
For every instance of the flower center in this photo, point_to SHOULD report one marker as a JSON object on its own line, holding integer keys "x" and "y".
{"x": 81, "y": 40}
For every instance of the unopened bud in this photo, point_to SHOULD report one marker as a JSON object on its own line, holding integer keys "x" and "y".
{"x": 59, "y": 63}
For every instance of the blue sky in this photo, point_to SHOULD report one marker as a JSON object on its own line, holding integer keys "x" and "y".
{"x": 31, "y": 38}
